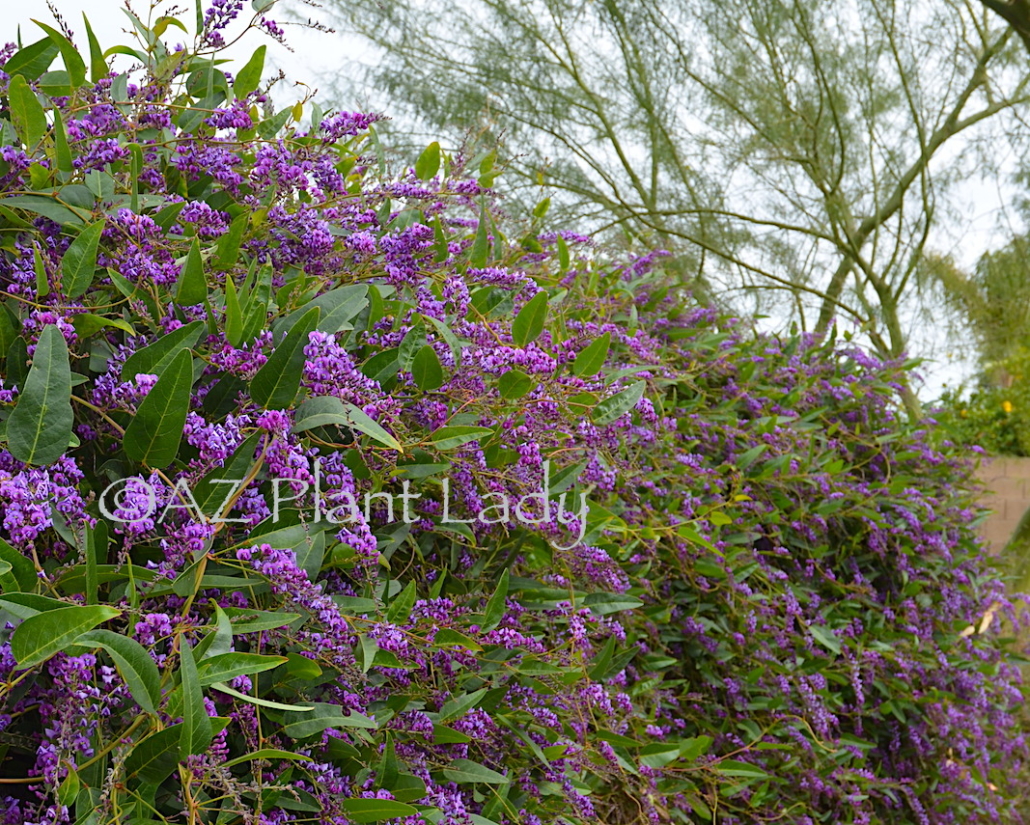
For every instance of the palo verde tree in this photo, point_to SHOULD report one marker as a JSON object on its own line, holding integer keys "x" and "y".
{"x": 798, "y": 154}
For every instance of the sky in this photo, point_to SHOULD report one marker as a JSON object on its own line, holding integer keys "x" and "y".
{"x": 982, "y": 225}
{"x": 314, "y": 53}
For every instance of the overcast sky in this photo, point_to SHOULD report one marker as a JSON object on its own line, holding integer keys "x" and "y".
{"x": 317, "y": 55}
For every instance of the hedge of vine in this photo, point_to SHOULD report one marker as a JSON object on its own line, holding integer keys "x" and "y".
{"x": 329, "y": 497}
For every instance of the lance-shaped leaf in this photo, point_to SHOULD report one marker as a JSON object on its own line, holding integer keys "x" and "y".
{"x": 426, "y": 369}
{"x": 275, "y": 385}
{"x": 40, "y": 428}
{"x": 26, "y": 112}
{"x": 32, "y": 60}
{"x": 153, "y": 435}
{"x": 465, "y": 771}
{"x": 22, "y": 575}
{"x": 137, "y": 669}
{"x": 620, "y": 403}
{"x": 233, "y": 314}
{"x": 196, "y": 724}
{"x": 62, "y": 151}
{"x": 338, "y": 307}
{"x": 249, "y": 77}
{"x": 97, "y": 65}
{"x": 481, "y": 244}
{"x": 73, "y": 61}
{"x": 428, "y": 163}
{"x": 592, "y": 357}
{"x": 227, "y": 666}
{"x": 39, "y": 637}
{"x": 192, "y": 287}
{"x": 359, "y": 420}
{"x": 152, "y": 359}
{"x": 48, "y": 207}
{"x": 377, "y": 810}
{"x": 529, "y": 323}
{"x": 155, "y": 758}
{"x": 80, "y": 261}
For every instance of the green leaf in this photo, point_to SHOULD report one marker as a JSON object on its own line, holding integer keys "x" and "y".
{"x": 514, "y": 384}
{"x": 612, "y": 408}
{"x": 302, "y": 725}
{"x": 338, "y": 307}
{"x": 137, "y": 669}
{"x": 441, "y": 251}
{"x": 826, "y": 637}
{"x": 80, "y": 261}
{"x": 154, "y": 433}
{"x": 40, "y": 427}
{"x": 156, "y": 757}
{"x": 47, "y": 207}
{"x": 447, "y": 438}
{"x": 249, "y": 77}
{"x": 400, "y": 608}
{"x": 359, "y": 420}
{"x": 233, "y": 314}
{"x": 27, "y": 605}
{"x": 192, "y": 288}
{"x": 691, "y": 749}
{"x": 42, "y": 283}
{"x": 87, "y": 325}
{"x": 460, "y": 705}
{"x": 465, "y": 772}
{"x": 592, "y": 358}
{"x": 445, "y": 332}
{"x": 23, "y": 571}
{"x": 97, "y": 65}
{"x": 209, "y": 493}
{"x": 228, "y": 250}
{"x": 26, "y": 112}
{"x": 275, "y": 385}
{"x": 659, "y": 754}
{"x": 605, "y": 603}
{"x": 253, "y": 621}
{"x": 426, "y": 369}
{"x": 564, "y": 261}
{"x": 321, "y": 411}
{"x": 18, "y": 370}
{"x": 731, "y": 767}
{"x": 529, "y": 323}
{"x": 32, "y": 60}
{"x": 196, "y": 724}
{"x": 62, "y": 151}
{"x": 227, "y": 666}
{"x": 412, "y": 343}
{"x": 268, "y": 754}
{"x": 428, "y": 163}
{"x": 73, "y": 61}
{"x": 96, "y": 548}
{"x": 254, "y": 700}
{"x": 496, "y": 606}
{"x": 152, "y": 359}
{"x": 39, "y": 637}
{"x": 375, "y": 810}
{"x": 481, "y": 245}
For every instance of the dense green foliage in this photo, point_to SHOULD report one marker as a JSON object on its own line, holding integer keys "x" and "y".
{"x": 657, "y": 569}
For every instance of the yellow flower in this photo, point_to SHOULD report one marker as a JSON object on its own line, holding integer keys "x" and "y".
{"x": 1007, "y": 406}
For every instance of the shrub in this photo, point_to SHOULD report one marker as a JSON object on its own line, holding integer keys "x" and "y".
{"x": 732, "y": 584}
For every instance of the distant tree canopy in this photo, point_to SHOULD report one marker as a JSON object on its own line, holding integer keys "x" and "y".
{"x": 796, "y": 156}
